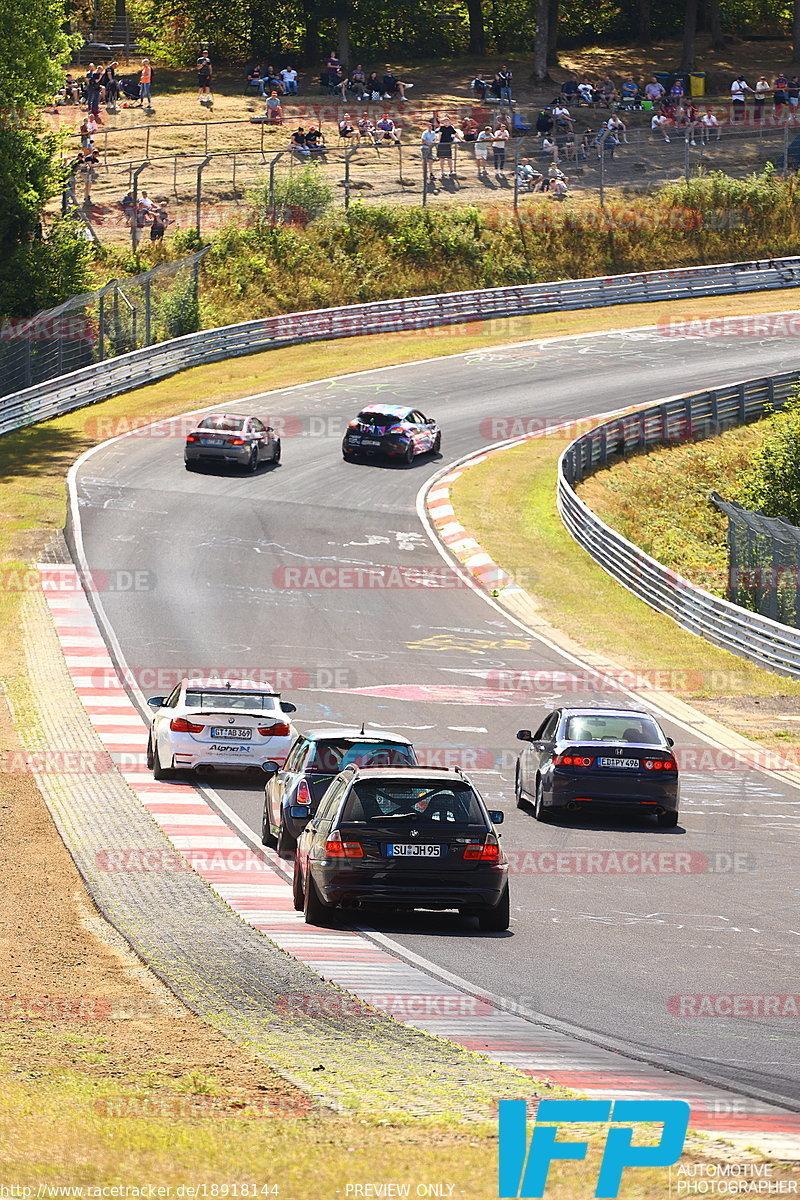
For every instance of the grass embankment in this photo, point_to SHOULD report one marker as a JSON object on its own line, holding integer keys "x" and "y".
{"x": 375, "y": 252}
{"x": 53, "y": 1074}
{"x": 508, "y": 504}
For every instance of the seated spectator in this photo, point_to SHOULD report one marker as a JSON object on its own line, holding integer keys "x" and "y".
{"x": 654, "y": 91}
{"x": 561, "y": 119}
{"x": 586, "y": 142}
{"x": 346, "y": 126}
{"x": 297, "y": 143}
{"x": 569, "y": 90}
{"x": 272, "y": 81}
{"x": 495, "y": 87}
{"x": 548, "y": 149}
{"x": 391, "y": 85}
{"x": 659, "y": 123}
{"x": 528, "y": 178}
{"x": 629, "y": 91}
{"x": 289, "y": 81}
{"x": 586, "y": 93}
{"x": 618, "y": 128}
{"x": 607, "y": 91}
{"x": 558, "y": 189}
{"x": 273, "y": 111}
{"x": 315, "y": 141}
{"x": 793, "y": 93}
{"x": 709, "y": 123}
{"x": 357, "y": 83}
{"x": 387, "y": 130}
{"x": 677, "y": 91}
{"x": 544, "y": 122}
{"x": 337, "y": 82}
{"x": 254, "y": 80}
{"x": 373, "y": 87}
{"x": 480, "y": 86}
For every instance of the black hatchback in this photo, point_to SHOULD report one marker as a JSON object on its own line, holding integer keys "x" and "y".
{"x": 403, "y": 838}
{"x": 391, "y": 431}
{"x": 591, "y": 757}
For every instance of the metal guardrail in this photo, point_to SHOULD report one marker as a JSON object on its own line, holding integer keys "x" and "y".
{"x": 125, "y": 372}
{"x": 747, "y": 634}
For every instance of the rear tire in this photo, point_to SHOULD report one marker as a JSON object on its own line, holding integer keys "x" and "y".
{"x": 149, "y": 759}
{"x": 315, "y": 910}
{"x": 539, "y": 810}
{"x": 276, "y": 457}
{"x": 160, "y": 773}
{"x": 298, "y": 898}
{"x": 286, "y": 843}
{"x": 409, "y": 456}
{"x": 497, "y": 919}
{"x": 267, "y": 836}
{"x": 667, "y": 820}
{"x": 189, "y": 465}
{"x": 252, "y": 462}
{"x": 521, "y": 802}
{"x": 437, "y": 445}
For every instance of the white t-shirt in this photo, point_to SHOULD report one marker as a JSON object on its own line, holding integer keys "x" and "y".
{"x": 585, "y": 90}
{"x": 500, "y": 135}
{"x": 288, "y": 75}
{"x": 657, "y": 120}
{"x": 738, "y": 89}
{"x": 709, "y": 119}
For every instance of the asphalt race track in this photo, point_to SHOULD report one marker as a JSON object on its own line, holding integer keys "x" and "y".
{"x": 602, "y": 952}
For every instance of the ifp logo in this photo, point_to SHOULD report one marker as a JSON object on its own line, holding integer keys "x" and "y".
{"x": 523, "y": 1168}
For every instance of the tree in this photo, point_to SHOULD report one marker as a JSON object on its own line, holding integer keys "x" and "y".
{"x": 644, "y": 31}
{"x": 796, "y": 31}
{"x": 477, "y": 29}
{"x": 689, "y": 33}
{"x": 541, "y": 42}
{"x": 35, "y": 271}
{"x": 771, "y": 484}
{"x": 552, "y": 33}
{"x": 715, "y": 25}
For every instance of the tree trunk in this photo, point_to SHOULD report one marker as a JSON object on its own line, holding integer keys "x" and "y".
{"x": 644, "y": 34}
{"x": 343, "y": 39}
{"x": 552, "y": 34}
{"x": 541, "y": 41}
{"x": 310, "y": 34}
{"x": 689, "y": 31}
{"x": 715, "y": 25}
{"x": 796, "y": 32}
{"x": 477, "y": 29}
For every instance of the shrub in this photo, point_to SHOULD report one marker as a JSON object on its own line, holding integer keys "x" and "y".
{"x": 771, "y": 485}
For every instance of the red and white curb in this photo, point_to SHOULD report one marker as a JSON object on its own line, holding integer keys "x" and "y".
{"x": 254, "y": 885}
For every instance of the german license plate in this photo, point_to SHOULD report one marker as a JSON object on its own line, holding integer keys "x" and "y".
{"x": 231, "y": 731}
{"x": 210, "y": 441}
{"x": 409, "y": 851}
{"x": 370, "y": 442}
{"x": 629, "y": 763}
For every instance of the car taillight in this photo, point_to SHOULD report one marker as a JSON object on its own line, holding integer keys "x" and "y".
{"x": 572, "y": 760}
{"x": 181, "y": 725}
{"x": 191, "y": 438}
{"x": 303, "y": 793}
{"x": 488, "y": 852}
{"x": 353, "y": 424}
{"x": 234, "y": 441}
{"x": 660, "y": 764}
{"x": 396, "y": 429}
{"x": 279, "y": 729}
{"x": 336, "y": 848}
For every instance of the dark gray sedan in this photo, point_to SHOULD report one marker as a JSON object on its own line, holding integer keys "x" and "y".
{"x": 584, "y": 758}
{"x": 232, "y": 438}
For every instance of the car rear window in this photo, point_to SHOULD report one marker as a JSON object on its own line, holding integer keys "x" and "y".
{"x": 633, "y": 729}
{"x": 379, "y": 419}
{"x": 227, "y": 424}
{"x": 334, "y": 756}
{"x": 418, "y": 803}
{"x": 243, "y": 700}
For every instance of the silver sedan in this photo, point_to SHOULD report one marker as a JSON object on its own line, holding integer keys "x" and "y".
{"x": 232, "y": 438}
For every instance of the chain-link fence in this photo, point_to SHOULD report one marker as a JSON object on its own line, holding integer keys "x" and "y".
{"x": 764, "y": 562}
{"x": 125, "y": 315}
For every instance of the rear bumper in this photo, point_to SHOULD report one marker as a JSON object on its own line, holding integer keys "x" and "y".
{"x": 189, "y": 756}
{"x": 239, "y": 455}
{"x": 481, "y": 890}
{"x": 388, "y": 448}
{"x": 614, "y": 792}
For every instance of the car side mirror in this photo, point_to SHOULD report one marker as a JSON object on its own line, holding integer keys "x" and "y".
{"x": 670, "y": 741}
{"x": 524, "y": 735}
{"x": 270, "y": 768}
{"x": 156, "y": 701}
{"x": 496, "y": 816}
{"x": 286, "y": 707}
{"x": 300, "y": 812}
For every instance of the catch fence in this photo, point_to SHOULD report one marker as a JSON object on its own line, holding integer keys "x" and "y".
{"x": 764, "y": 562}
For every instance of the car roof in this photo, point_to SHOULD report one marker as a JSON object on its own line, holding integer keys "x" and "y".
{"x": 228, "y": 685}
{"x": 368, "y": 735}
{"x": 395, "y": 410}
{"x": 601, "y": 711}
{"x": 429, "y": 774}
{"x": 225, "y": 416}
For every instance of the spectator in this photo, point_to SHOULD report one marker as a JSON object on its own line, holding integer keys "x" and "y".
{"x": 479, "y": 86}
{"x": 448, "y": 134}
{"x": 607, "y": 91}
{"x": 549, "y": 148}
{"x": 336, "y": 79}
{"x": 87, "y": 131}
{"x": 654, "y": 91}
{"x": 346, "y": 126}
{"x": 391, "y": 85}
{"x": 90, "y": 160}
{"x": 93, "y": 76}
{"x": 793, "y": 93}
{"x": 373, "y": 88}
{"x": 366, "y": 129}
{"x": 315, "y": 141}
{"x": 618, "y": 128}
{"x": 126, "y": 204}
{"x": 387, "y": 129}
{"x": 677, "y": 91}
{"x": 527, "y": 177}
{"x": 297, "y": 143}
{"x": 607, "y": 142}
{"x": 504, "y": 76}
{"x": 272, "y": 80}
{"x": 544, "y": 122}
{"x": 289, "y": 81}
{"x": 586, "y": 92}
{"x": 708, "y": 122}
{"x": 499, "y": 138}
{"x": 159, "y": 221}
{"x": 428, "y": 140}
{"x": 469, "y": 129}
{"x": 205, "y": 74}
{"x": 569, "y": 90}
{"x": 659, "y": 123}
{"x": 358, "y": 81}
{"x": 760, "y": 97}
{"x": 779, "y": 96}
{"x": 482, "y": 142}
{"x": 586, "y": 142}
{"x": 738, "y": 99}
{"x": 629, "y": 91}
{"x": 690, "y": 119}
{"x": 273, "y": 110}
{"x": 558, "y": 188}
{"x": 110, "y": 86}
{"x": 145, "y": 83}
{"x": 255, "y": 79}
{"x": 561, "y": 118}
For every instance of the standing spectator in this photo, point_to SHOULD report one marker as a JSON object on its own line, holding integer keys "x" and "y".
{"x": 779, "y": 96}
{"x": 499, "y": 138}
{"x": 428, "y": 140}
{"x": 448, "y": 134}
{"x": 289, "y": 81}
{"x": 708, "y": 122}
{"x": 793, "y": 93}
{"x": 654, "y": 91}
{"x": 145, "y": 84}
{"x": 159, "y": 221}
{"x": 659, "y": 123}
{"x": 90, "y": 160}
{"x": 691, "y": 116}
{"x": 482, "y": 143}
{"x": 504, "y": 75}
{"x": 273, "y": 110}
{"x": 760, "y": 97}
{"x": 87, "y": 131}
{"x": 69, "y": 193}
{"x": 205, "y": 73}
{"x": 586, "y": 142}
{"x": 738, "y": 99}
{"x": 469, "y": 129}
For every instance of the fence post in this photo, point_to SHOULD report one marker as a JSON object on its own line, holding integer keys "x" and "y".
{"x": 263, "y": 157}
{"x": 205, "y": 133}
{"x": 425, "y": 180}
{"x": 785, "y": 151}
{"x": 102, "y": 326}
{"x": 233, "y": 178}
{"x": 272, "y": 179}
{"x": 175, "y": 177}
{"x": 147, "y": 311}
{"x": 147, "y": 143}
{"x": 348, "y": 155}
{"x": 516, "y": 182}
{"x": 686, "y": 157}
{"x": 199, "y": 196}
{"x": 602, "y": 171}
{"x": 135, "y": 199}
